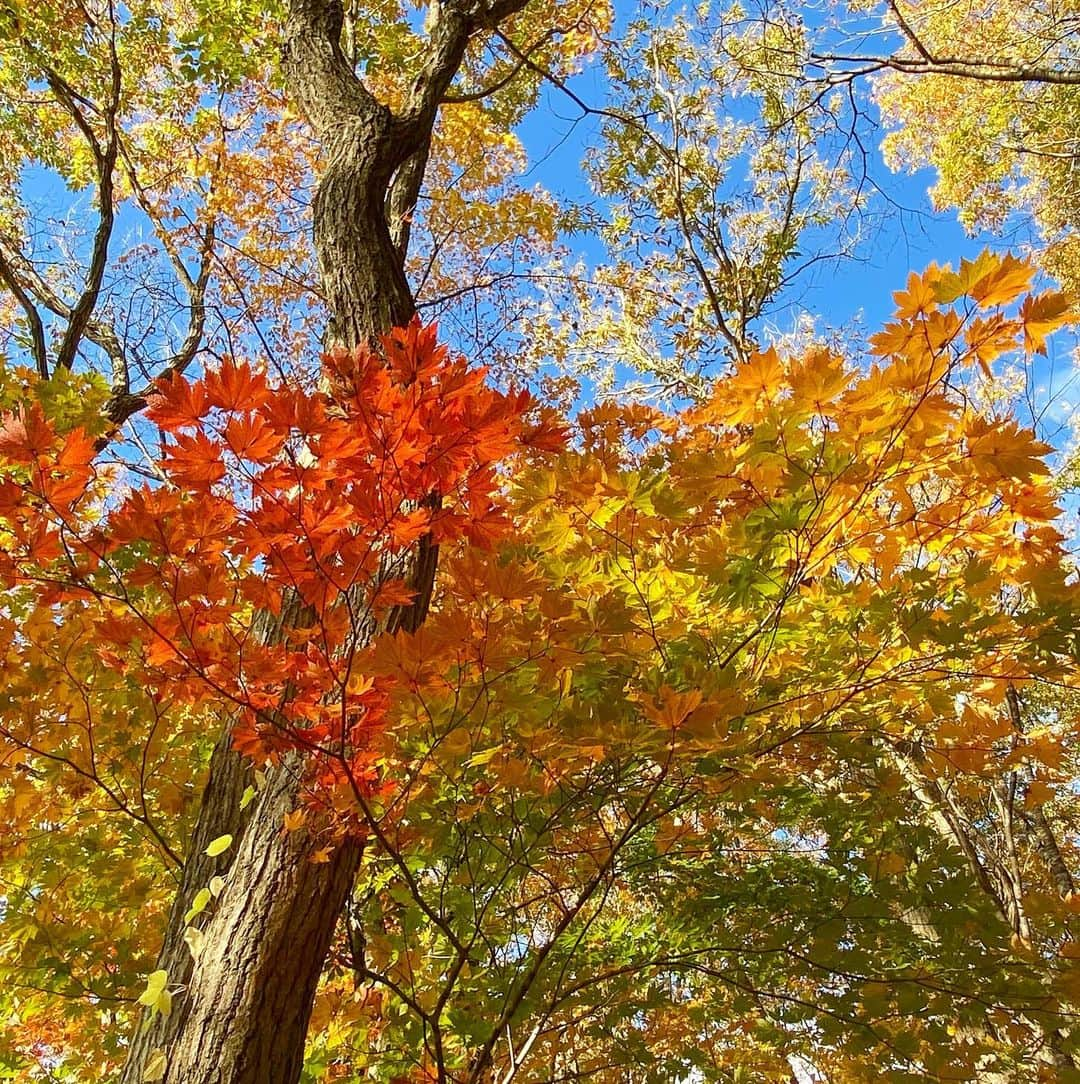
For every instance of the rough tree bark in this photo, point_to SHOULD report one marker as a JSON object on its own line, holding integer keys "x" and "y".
{"x": 240, "y": 1013}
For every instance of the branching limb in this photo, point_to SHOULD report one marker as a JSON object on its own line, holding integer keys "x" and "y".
{"x": 104, "y": 155}
{"x": 31, "y": 282}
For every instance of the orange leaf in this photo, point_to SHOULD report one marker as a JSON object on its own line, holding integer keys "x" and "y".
{"x": 236, "y": 387}
{"x": 26, "y": 433}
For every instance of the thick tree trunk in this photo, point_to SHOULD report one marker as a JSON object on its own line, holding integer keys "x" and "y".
{"x": 253, "y": 984}
{"x": 241, "y": 1010}
{"x": 220, "y": 814}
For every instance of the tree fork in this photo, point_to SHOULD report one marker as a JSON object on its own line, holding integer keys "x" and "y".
{"x": 242, "y": 1009}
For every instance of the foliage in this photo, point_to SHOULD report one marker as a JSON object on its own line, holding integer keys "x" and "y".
{"x": 737, "y": 739}
{"x": 642, "y": 768}
{"x": 721, "y": 181}
{"x": 1001, "y": 140}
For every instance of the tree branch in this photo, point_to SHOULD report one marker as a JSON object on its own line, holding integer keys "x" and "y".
{"x": 991, "y": 71}
{"x": 327, "y": 88}
{"x": 33, "y": 318}
{"x": 105, "y": 162}
{"x": 27, "y": 276}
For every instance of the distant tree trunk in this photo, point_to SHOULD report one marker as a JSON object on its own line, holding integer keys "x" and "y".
{"x": 242, "y": 1012}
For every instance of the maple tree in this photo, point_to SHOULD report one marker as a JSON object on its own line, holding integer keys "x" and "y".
{"x": 730, "y": 739}
{"x": 655, "y": 622}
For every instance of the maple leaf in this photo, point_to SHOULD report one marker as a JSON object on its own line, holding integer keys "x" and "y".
{"x": 987, "y": 339}
{"x": 25, "y": 434}
{"x": 893, "y": 340}
{"x": 1003, "y": 449}
{"x": 920, "y": 295}
{"x": 1003, "y": 283}
{"x": 818, "y": 379}
{"x": 413, "y": 352}
{"x": 738, "y": 399}
{"x": 989, "y": 280}
{"x": 194, "y": 461}
{"x": 671, "y": 708}
{"x": 1041, "y": 315}
{"x": 176, "y": 403}
{"x": 251, "y": 437}
{"x": 394, "y": 592}
{"x": 236, "y": 387}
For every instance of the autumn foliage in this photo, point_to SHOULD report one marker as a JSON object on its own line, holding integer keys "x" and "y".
{"x": 817, "y": 560}
{"x": 269, "y": 497}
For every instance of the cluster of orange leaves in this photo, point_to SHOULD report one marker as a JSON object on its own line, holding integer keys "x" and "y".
{"x": 277, "y": 539}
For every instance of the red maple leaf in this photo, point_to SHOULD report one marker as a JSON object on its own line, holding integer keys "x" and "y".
{"x": 194, "y": 461}
{"x": 176, "y": 403}
{"x": 236, "y": 387}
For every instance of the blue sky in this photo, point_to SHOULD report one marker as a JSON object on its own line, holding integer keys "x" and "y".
{"x": 852, "y": 293}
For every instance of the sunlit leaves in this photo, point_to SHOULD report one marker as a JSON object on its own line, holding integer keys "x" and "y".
{"x": 1003, "y": 141}
{"x": 666, "y": 666}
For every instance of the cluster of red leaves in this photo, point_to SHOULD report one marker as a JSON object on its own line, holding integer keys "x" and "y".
{"x": 279, "y": 538}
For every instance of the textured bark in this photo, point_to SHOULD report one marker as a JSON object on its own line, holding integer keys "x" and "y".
{"x": 219, "y": 814}
{"x": 240, "y": 1012}
{"x": 253, "y": 984}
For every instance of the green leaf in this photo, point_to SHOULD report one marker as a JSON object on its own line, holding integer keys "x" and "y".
{"x": 198, "y": 904}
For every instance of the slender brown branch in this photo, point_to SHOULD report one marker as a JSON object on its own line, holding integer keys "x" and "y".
{"x": 105, "y": 162}
{"x": 33, "y": 317}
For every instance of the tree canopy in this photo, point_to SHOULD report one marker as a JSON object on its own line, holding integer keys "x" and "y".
{"x": 449, "y": 633}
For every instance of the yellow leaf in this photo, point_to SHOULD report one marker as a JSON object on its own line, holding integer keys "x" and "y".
{"x": 484, "y": 756}
{"x": 1004, "y": 283}
{"x": 1002, "y": 449}
{"x": 156, "y": 1065}
{"x": 219, "y": 846}
{"x": 294, "y": 820}
{"x": 919, "y": 297}
{"x": 156, "y": 982}
{"x": 198, "y": 904}
{"x": 671, "y": 707}
{"x": 1042, "y": 315}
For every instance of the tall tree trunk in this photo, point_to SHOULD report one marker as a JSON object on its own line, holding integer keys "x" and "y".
{"x": 241, "y": 1010}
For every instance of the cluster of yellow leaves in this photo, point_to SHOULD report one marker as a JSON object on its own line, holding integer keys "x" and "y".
{"x": 804, "y": 549}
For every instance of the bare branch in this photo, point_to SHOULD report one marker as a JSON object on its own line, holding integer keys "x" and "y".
{"x": 105, "y": 162}
{"x": 989, "y": 71}
{"x": 27, "y": 276}
{"x": 33, "y": 318}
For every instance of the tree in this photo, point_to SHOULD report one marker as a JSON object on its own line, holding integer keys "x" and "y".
{"x": 616, "y": 727}
{"x": 369, "y": 182}
{"x": 232, "y": 595}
